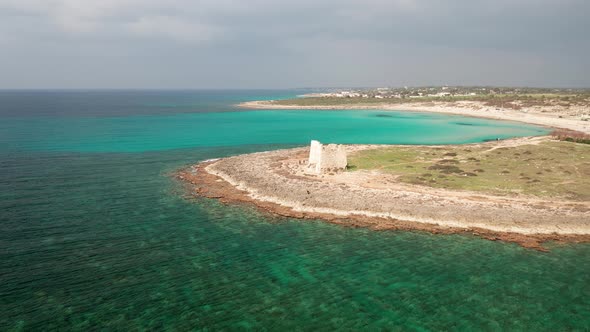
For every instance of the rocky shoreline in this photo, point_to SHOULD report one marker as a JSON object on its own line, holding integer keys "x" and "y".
{"x": 274, "y": 182}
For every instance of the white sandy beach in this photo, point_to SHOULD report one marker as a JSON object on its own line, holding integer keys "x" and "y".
{"x": 554, "y": 117}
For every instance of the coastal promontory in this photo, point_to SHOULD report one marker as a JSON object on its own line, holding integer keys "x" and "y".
{"x": 526, "y": 190}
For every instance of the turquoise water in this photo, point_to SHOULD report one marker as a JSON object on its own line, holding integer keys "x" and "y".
{"x": 94, "y": 233}
{"x": 164, "y": 132}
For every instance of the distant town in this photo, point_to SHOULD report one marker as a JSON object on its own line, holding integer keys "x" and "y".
{"x": 446, "y": 91}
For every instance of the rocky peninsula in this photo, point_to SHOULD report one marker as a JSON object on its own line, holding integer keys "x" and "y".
{"x": 277, "y": 182}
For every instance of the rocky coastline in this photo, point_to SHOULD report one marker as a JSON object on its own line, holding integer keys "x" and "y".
{"x": 275, "y": 182}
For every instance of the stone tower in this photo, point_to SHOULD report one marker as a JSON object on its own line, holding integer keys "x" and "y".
{"x": 326, "y": 158}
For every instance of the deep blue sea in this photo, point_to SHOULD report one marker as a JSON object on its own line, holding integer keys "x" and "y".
{"x": 95, "y": 234}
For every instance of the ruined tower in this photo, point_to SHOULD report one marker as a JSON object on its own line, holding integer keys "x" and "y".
{"x": 326, "y": 158}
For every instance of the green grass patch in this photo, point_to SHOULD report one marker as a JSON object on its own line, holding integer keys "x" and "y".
{"x": 549, "y": 169}
{"x": 507, "y": 101}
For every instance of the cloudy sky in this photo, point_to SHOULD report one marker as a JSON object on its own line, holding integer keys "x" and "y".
{"x": 293, "y": 43}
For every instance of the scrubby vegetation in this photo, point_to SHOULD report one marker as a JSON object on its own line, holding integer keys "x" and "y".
{"x": 571, "y": 136}
{"x": 549, "y": 169}
{"x": 515, "y": 102}
{"x": 497, "y": 97}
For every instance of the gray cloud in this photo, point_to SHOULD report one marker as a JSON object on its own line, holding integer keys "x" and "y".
{"x": 264, "y": 43}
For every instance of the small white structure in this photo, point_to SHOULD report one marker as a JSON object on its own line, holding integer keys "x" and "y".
{"x": 326, "y": 158}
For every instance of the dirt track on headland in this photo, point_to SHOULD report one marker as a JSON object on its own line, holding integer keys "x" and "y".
{"x": 554, "y": 117}
{"x": 274, "y": 182}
